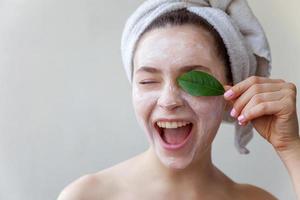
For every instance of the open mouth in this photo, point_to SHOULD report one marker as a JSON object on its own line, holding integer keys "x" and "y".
{"x": 174, "y": 134}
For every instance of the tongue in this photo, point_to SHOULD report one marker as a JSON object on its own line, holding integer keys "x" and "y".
{"x": 176, "y": 135}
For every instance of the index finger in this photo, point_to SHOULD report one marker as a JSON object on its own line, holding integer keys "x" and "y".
{"x": 239, "y": 88}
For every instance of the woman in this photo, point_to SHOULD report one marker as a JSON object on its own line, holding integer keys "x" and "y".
{"x": 181, "y": 127}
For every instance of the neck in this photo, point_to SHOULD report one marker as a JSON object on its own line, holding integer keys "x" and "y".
{"x": 199, "y": 174}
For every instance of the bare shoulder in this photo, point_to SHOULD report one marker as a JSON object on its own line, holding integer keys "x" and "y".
{"x": 108, "y": 183}
{"x": 105, "y": 184}
{"x": 248, "y": 192}
{"x": 90, "y": 186}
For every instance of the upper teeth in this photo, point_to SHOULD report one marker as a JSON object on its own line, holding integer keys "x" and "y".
{"x": 172, "y": 124}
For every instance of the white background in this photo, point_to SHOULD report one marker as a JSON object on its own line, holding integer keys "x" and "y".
{"x": 65, "y": 104}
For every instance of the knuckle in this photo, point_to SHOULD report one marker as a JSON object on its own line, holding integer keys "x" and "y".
{"x": 237, "y": 88}
{"x": 257, "y": 99}
{"x": 264, "y": 107}
{"x": 254, "y": 79}
{"x": 255, "y": 88}
{"x": 292, "y": 86}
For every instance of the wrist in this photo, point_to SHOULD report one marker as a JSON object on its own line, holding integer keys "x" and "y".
{"x": 289, "y": 150}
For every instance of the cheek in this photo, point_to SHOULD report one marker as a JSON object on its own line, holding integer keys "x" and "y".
{"x": 206, "y": 107}
{"x": 209, "y": 114}
{"x": 143, "y": 102}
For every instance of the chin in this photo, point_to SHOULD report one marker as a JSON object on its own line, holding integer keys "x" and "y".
{"x": 175, "y": 162}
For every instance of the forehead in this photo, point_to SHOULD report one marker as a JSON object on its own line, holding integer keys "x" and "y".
{"x": 175, "y": 46}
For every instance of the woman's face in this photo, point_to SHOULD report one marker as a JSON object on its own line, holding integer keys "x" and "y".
{"x": 162, "y": 55}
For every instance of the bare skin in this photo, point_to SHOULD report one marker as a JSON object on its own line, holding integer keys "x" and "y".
{"x": 134, "y": 180}
{"x": 191, "y": 174}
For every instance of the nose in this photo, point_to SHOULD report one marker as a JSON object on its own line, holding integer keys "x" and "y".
{"x": 170, "y": 98}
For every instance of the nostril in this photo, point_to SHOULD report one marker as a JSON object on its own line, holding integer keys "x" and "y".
{"x": 170, "y": 102}
{"x": 170, "y": 106}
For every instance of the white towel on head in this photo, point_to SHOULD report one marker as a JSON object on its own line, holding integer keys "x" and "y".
{"x": 243, "y": 36}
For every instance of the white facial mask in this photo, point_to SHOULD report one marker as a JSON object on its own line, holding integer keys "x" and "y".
{"x": 161, "y": 51}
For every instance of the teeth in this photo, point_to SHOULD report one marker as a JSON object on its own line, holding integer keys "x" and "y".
{"x": 172, "y": 124}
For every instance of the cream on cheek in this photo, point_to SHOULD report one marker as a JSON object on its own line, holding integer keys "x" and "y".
{"x": 209, "y": 114}
{"x": 143, "y": 103}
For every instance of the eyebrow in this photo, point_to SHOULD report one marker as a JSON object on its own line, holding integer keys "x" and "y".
{"x": 182, "y": 69}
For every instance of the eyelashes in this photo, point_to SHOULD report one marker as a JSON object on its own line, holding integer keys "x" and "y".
{"x": 147, "y": 82}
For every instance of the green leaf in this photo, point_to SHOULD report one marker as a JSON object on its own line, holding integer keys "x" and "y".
{"x": 199, "y": 83}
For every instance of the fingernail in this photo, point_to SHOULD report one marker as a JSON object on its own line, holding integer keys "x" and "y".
{"x": 240, "y": 123}
{"x": 241, "y": 118}
{"x": 233, "y": 112}
{"x": 228, "y": 93}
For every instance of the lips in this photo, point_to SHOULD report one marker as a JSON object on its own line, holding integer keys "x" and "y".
{"x": 173, "y": 137}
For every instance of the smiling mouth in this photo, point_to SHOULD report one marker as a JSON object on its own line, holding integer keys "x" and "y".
{"x": 174, "y": 133}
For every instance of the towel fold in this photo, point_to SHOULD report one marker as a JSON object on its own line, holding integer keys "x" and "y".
{"x": 243, "y": 36}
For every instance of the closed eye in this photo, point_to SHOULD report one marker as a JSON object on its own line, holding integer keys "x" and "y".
{"x": 146, "y": 82}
